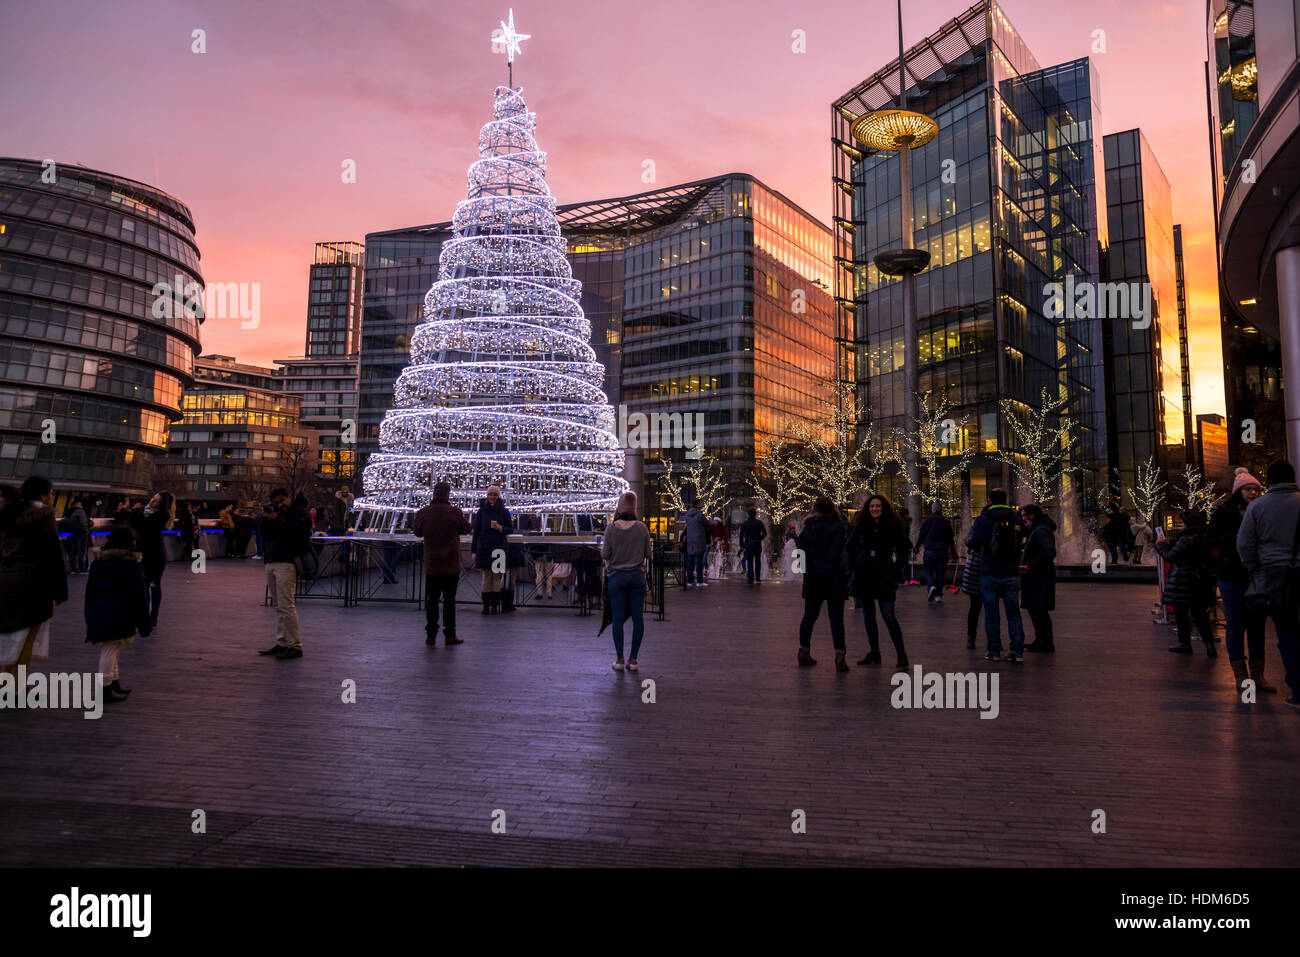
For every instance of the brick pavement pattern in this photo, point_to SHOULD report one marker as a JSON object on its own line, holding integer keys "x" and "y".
{"x": 527, "y": 717}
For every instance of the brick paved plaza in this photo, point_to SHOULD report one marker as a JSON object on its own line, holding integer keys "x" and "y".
{"x": 527, "y": 717}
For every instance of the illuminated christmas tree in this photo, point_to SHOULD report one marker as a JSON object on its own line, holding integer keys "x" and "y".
{"x": 503, "y": 386}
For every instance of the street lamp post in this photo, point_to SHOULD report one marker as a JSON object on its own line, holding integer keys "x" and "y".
{"x": 902, "y": 131}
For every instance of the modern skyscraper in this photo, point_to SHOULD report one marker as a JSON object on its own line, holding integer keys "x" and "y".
{"x": 691, "y": 292}
{"x": 1184, "y": 350}
{"x": 334, "y": 300}
{"x": 1006, "y": 199}
{"x": 91, "y": 370}
{"x": 1142, "y": 353}
{"x": 1252, "y": 82}
{"x": 238, "y": 437}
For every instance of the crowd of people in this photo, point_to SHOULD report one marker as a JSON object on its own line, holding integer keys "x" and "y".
{"x": 1246, "y": 554}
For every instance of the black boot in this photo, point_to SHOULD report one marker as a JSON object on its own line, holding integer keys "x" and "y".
{"x": 117, "y": 686}
{"x": 110, "y": 695}
{"x": 487, "y": 603}
{"x": 872, "y": 658}
{"x": 508, "y": 600}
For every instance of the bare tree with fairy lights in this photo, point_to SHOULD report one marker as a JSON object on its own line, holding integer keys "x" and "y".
{"x": 1198, "y": 494}
{"x": 503, "y": 386}
{"x": 1045, "y": 439}
{"x": 1149, "y": 493}
{"x": 702, "y": 480}
{"x": 838, "y": 461}
{"x": 941, "y": 456}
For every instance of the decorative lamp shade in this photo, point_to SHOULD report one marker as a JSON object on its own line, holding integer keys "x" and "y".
{"x": 894, "y": 129}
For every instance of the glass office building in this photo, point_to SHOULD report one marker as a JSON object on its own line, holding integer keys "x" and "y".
{"x": 238, "y": 437}
{"x": 334, "y": 300}
{"x": 91, "y": 372}
{"x": 1144, "y": 358}
{"x": 691, "y": 291}
{"x": 1252, "y": 171}
{"x": 1006, "y": 199}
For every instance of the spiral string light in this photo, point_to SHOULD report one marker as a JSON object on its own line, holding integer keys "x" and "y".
{"x": 503, "y": 386}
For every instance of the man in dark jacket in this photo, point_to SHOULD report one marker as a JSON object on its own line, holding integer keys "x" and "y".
{"x": 1267, "y": 543}
{"x": 286, "y": 530}
{"x": 488, "y": 547}
{"x": 937, "y": 542}
{"x": 33, "y": 578}
{"x": 998, "y": 533}
{"x": 752, "y": 533}
{"x": 697, "y": 543}
{"x": 441, "y": 525}
{"x": 78, "y": 526}
{"x": 1115, "y": 532}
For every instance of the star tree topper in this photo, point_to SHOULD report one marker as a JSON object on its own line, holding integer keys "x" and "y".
{"x": 508, "y": 39}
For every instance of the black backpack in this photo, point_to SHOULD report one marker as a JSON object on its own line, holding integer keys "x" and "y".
{"x": 1004, "y": 547}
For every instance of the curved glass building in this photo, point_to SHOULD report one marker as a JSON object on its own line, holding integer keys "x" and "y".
{"x": 92, "y": 360}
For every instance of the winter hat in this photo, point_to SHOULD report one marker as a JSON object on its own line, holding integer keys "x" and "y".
{"x": 1242, "y": 478}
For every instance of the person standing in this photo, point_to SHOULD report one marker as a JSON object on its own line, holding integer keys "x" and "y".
{"x": 1143, "y": 535}
{"x": 226, "y": 520}
{"x": 343, "y": 499}
{"x": 1267, "y": 543}
{"x": 825, "y": 578}
{"x": 188, "y": 524}
{"x": 1038, "y": 577}
{"x": 33, "y": 578}
{"x": 1190, "y": 586}
{"x": 491, "y": 526}
{"x": 78, "y": 525}
{"x": 1115, "y": 532}
{"x": 970, "y": 584}
{"x": 1239, "y": 619}
{"x": 937, "y": 545}
{"x": 998, "y": 533}
{"x": 149, "y": 524}
{"x": 117, "y": 605}
{"x": 876, "y": 547}
{"x": 627, "y": 549}
{"x": 286, "y": 531}
{"x": 697, "y": 543}
{"x": 752, "y": 534}
{"x": 441, "y": 525}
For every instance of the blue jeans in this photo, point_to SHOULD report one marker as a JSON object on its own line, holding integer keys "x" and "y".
{"x": 891, "y": 622}
{"x": 694, "y": 568}
{"x": 626, "y": 595}
{"x": 935, "y": 563}
{"x": 754, "y": 562}
{"x": 1008, "y": 590}
{"x": 1241, "y": 621}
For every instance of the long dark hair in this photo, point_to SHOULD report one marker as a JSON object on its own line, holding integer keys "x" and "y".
{"x": 825, "y": 507}
{"x": 888, "y": 517}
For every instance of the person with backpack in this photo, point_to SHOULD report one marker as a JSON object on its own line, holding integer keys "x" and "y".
{"x": 1268, "y": 542}
{"x": 1190, "y": 586}
{"x": 752, "y": 534}
{"x": 876, "y": 547}
{"x": 697, "y": 543}
{"x": 825, "y": 579}
{"x": 997, "y": 534}
{"x": 937, "y": 542}
{"x": 117, "y": 605}
{"x": 1038, "y": 577}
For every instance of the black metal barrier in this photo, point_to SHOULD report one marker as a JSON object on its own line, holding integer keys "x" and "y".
{"x": 560, "y": 574}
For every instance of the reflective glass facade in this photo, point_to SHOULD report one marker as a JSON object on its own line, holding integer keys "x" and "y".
{"x": 690, "y": 291}
{"x": 334, "y": 300}
{"x": 1145, "y": 383}
{"x": 81, "y": 347}
{"x": 1006, "y": 200}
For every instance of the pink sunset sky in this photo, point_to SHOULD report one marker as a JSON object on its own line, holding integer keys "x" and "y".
{"x": 252, "y": 134}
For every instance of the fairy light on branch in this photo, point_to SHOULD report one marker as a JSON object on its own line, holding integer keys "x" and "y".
{"x": 1044, "y": 439}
